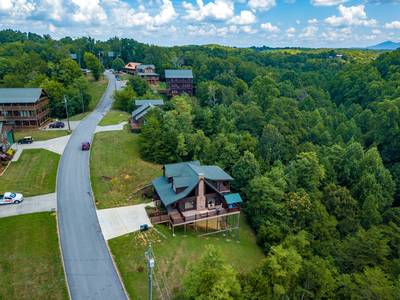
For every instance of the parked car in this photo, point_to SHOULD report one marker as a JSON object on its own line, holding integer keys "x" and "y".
{"x": 57, "y": 124}
{"x": 85, "y": 146}
{"x": 26, "y": 140}
{"x": 11, "y": 198}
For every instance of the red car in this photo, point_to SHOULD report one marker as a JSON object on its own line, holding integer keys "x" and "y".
{"x": 85, "y": 146}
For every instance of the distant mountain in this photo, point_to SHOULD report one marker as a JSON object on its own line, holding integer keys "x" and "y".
{"x": 388, "y": 45}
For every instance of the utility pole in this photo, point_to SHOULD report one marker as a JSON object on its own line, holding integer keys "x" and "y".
{"x": 66, "y": 110}
{"x": 150, "y": 267}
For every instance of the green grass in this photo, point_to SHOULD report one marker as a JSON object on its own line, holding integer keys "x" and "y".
{"x": 30, "y": 262}
{"x": 40, "y": 135}
{"x": 33, "y": 174}
{"x": 114, "y": 117}
{"x": 174, "y": 255}
{"x": 117, "y": 170}
{"x": 96, "y": 90}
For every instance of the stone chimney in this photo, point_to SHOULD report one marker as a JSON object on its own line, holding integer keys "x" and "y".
{"x": 201, "y": 198}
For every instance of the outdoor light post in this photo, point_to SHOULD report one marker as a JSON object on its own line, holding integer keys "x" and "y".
{"x": 66, "y": 110}
{"x": 150, "y": 267}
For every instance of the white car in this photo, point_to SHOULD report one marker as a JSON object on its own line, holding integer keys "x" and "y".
{"x": 11, "y": 198}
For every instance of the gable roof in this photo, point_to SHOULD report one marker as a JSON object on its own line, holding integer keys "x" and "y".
{"x": 132, "y": 65}
{"x": 185, "y": 175}
{"x": 146, "y": 66}
{"x": 154, "y": 102}
{"x": 178, "y": 74}
{"x": 20, "y": 95}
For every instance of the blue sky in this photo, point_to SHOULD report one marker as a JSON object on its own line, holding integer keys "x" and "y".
{"x": 306, "y": 23}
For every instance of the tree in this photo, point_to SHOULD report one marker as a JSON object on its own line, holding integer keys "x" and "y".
{"x": 123, "y": 99}
{"x": 139, "y": 85}
{"x": 211, "y": 278}
{"x": 245, "y": 169}
{"x": 118, "y": 64}
{"x": 93, "y": 64}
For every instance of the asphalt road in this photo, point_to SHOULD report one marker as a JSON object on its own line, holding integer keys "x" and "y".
{"x": 88, "y": 265}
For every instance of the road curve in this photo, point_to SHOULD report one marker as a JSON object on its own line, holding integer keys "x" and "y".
{"x": 88, "y": 266}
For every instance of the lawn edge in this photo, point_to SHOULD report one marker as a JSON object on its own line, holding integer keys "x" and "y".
{"x": 95, "y": 207}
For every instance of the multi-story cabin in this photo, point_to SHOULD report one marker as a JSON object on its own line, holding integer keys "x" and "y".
{"x": 179, "y": 82}
{"x": 148, "y": 73}
{"x": 130, "y": 67}
{"x": 24, "y": 107}
{"x": 142, "y": 107}
{"x": 192, "y": 193}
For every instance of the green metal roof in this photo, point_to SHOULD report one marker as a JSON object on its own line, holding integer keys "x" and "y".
{"x": 166, "y": 192}
{"x": 185, "y": 175}
{"x": 178, "y": 74}
{"x": 149, "y": 101}
{"x": 233, "y": 198}
{"x": 19, "y": 95}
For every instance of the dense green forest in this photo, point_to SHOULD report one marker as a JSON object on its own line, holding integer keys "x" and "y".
{"x": 311, "y": 137}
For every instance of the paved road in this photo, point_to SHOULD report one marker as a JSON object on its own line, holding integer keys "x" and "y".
{"x": 30, "y": 205}
{"x": 88, "y": 265}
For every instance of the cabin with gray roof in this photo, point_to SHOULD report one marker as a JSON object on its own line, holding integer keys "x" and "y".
{"x": 142, "y": 107}
{"x": 148, "y": 73}
{"x": 24, "y": 107}
{"x": 179, "y": 82}
{"x": 190, "y": 192}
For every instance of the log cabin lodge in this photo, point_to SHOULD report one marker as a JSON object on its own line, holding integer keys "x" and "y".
{"x": 142, "y": 107}
{"x": 179, "y": 82}
{"x": 190, "y": 193}
{"x": 24, "y": 107}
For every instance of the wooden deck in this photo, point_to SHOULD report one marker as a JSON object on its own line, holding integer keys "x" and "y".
{"x": 176, "y": 218}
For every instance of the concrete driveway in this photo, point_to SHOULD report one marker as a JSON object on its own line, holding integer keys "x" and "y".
{"x": 56, "y": 145}
{"x": 30, "y": 205}
{"x": 117, "y": 127}
{"x": 118, "y": 221}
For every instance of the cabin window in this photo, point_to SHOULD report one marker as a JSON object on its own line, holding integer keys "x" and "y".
{"x": 189, "y": 204}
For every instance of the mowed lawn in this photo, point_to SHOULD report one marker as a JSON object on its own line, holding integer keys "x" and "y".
{"x": 33, "y": 174}
{"x": 30, "y": 262}
{"x": 96, "y": 90}
{"x": 40, "y": 135}
{"x": 114, "y": 117}
{"x": 174, "y": 255}
{"x": 117, "y": 170}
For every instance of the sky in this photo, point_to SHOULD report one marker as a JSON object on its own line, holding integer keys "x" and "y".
{"x": 241, "y": 23}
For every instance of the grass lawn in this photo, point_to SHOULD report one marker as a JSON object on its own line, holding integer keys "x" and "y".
{"x": 33, "y": 174}
{"x": 174, "y": 255}
{"x": 114, "y": 117}
{"x": 30, "y": 262}
{"x": 96, "y": 90}
{"x": 116, "y": 169}
{"x": 40, "y": 135}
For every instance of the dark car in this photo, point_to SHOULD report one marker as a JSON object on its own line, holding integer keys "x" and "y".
{"x": 85, "y": 146}
{"x": 57, "y": 125}
{"x": 26, "y": 140}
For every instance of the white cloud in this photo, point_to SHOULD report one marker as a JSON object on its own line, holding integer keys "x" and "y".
{"x": 218, "y": 10}
{"x": 269, "y": 27}
{"x": 88, "y": 11}
{"x": 334, "y": 35}
{"x": 376, "y": 31}
{"x": 122, "y": 15}
{"x": 17, "y": 8}
{"x": 246, "y": 17}
{"x": 291, "y": 30}
{"x": 312, "y": 21}
{"x": 262, "y": 5}
{"x": 393, "y": 25}
{"x": 327, "y": 2}
{"x": 309, "y": 32}
{"x": 352, "y": 15}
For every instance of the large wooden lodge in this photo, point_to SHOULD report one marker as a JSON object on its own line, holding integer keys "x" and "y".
{"x": 24, "y": 107}
{"x": 190, "y": 193}
{"x": 179, "y": 82}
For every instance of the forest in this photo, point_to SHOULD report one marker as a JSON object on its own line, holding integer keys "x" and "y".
{"x": 311, "y": 136}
